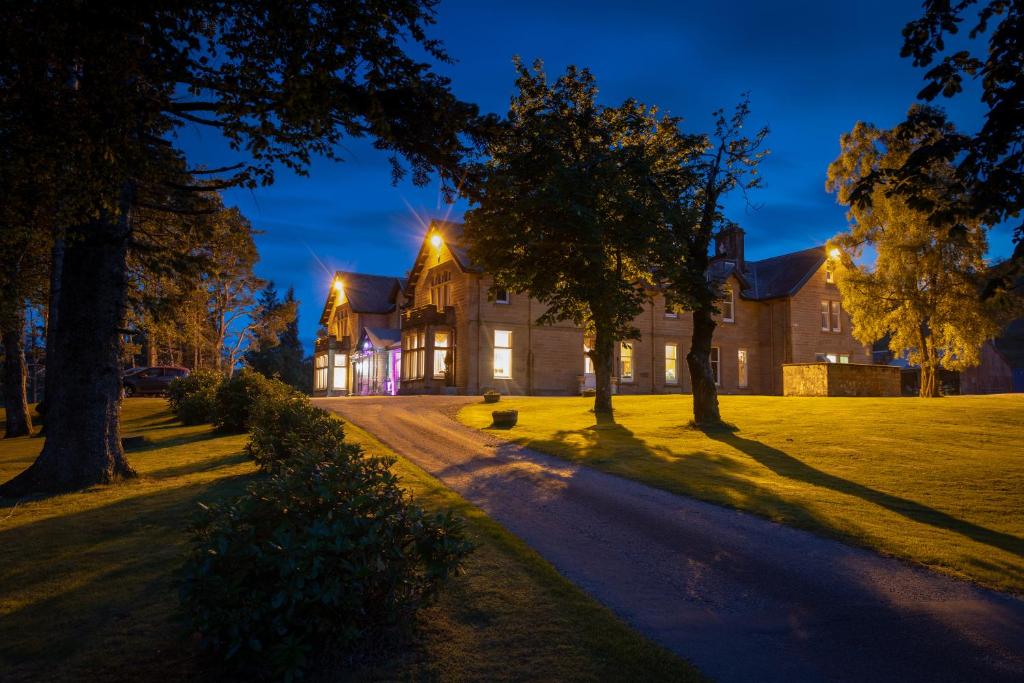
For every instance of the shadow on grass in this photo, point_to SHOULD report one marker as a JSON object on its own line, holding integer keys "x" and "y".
{"x": 787, "y": 466}
{"x": 100, "y": 580}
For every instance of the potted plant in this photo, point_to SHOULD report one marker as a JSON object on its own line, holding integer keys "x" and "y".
{"x": 504, "y": 419}
{"x": 491, "y": 396}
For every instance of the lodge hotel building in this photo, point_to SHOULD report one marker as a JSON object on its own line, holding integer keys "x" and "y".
{"x": 439, "y": 330}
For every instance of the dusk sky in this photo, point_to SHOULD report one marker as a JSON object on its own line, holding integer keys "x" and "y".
{"x": 812, "y": 69}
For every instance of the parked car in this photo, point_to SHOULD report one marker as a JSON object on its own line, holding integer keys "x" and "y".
{"x": 154, "y": 380}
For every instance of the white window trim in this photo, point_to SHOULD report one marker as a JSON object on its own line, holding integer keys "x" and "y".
{"x": 507, "y": 300}
{"x": 627, "y": 379}
{"x": 675, "y": 381}
{"x": 717, "y": 365}
{"x": 494, "y": 356}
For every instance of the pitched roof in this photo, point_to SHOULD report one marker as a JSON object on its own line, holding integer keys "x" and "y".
{"x": 779, "y": 276}
{"x": 364, "y": 293}
{"x": 452, "y": 235}
{"x": 383, "y": 337}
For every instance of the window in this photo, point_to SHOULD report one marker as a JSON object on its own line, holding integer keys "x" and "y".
{"x": 414, "y": 355}
{"x": 716, "y": 366}
{"x": 844, "y": 358}
{"x": 588, "y": 362}
{"x": 440, "y": 354}
{"x": 830, "y": 316}
{"x": 832, "y": 358}
{"x": 626, "y": 362}
{"x": 441, "y": 290}
{"x": 320, "y": 376}
{"x": 501, "y": 296}
{"x": 830, "y": 274}
{"x": 340, "y": 371}
{"x": 741, "y": 368}
{"x": 671, "y": 364}
{"x": 728, "y": 314}
{"x": 503, "y": 354}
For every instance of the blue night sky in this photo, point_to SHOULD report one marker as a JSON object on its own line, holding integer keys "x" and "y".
{"x": 812, "y": 68}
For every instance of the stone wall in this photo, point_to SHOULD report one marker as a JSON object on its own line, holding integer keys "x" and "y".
{"x": 840, "y": 379}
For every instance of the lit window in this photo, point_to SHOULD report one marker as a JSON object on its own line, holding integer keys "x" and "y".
{"x": 830, "y": 274}
{"x": 626, "y": 362}
{"x": 503, "y": 354}
{"x": 440, "y": 354}
{"x": 741, "y": 368}
{"x": 340, "y": 371}
{"x": 844, "y": 359}
{"x": 835, "y": 316}
{"x": 671, "y": 361}
{"x": 501, "y": 296}
{"x": 728, "y": 304}
{"x": 320, "y": 376}
{"x": 827, "y": 358}
{"x": 588, "y": 362}
{"x": 825, "y": 326}
{"x": 716, "y": 366}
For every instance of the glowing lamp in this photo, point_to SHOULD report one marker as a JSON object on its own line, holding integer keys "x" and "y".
{"x": 338, "y": 286}
{"x": 436, "y": 240}
{"x": 834, "y": 253}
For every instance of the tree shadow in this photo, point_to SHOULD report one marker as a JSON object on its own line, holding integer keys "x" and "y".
{"x": 787, "y": 466}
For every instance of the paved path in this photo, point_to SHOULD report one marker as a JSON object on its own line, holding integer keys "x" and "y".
{"x": 742, "y": 598}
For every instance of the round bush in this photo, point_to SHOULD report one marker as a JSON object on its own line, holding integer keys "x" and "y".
{"x": 238, "y": 396}
{"x": 285, "y": 423}
{"x": 316, "y": 557}
{"x": 193, "y": 397}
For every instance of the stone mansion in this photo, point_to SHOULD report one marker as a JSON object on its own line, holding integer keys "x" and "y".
{"x": 439, "y": 331}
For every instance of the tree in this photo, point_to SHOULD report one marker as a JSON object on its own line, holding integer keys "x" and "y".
{"x": 279, "y": 355}
{"x": 990, "y": 163}
{"x": 728, "y": 161}
{"x": 103, "y": 88}
{"x": 564, "y": 207}
{"x": 923, "y": 288}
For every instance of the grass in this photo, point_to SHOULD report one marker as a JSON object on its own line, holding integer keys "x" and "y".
{"x": 939, "y": 482}
{"x": 87, "y": 587}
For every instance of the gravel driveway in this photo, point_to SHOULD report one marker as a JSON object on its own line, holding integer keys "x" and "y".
{"x": 742, "y": 598}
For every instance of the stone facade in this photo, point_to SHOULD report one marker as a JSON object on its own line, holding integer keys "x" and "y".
{"x": 458, "y": 338}
{"x": 840, "y": 379}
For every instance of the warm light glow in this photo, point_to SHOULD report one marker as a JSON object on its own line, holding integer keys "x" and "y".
{"x": 338, "y": 286}
{"x": 834, "y": 253}
{"x": 436, "y": 240}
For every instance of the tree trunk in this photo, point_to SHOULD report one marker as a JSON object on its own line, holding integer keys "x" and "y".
{"x": 929, "y": 384}
{"x": 83, "y": 444}
{"x": 18, "y": 421}
{"x": 603, "y": 354}
{"x": 702, "y": 375}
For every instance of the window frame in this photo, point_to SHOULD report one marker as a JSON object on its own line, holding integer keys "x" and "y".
{"x": 506, "y": 300}
{"x": 742, "y": 368}
{"x": 731, "y": 318}
{"x": 715, "y": 358}
{"x": 506, "y": 349}
{"x": 443, "y": 351}
{"x": 675, "y": 363}
{"x": 623, "y": 377}
{"x": 835, "y": 313}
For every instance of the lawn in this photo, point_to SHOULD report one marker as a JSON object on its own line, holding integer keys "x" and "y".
{"x": 938, "y": 481}
{"x": 87, "y": 586}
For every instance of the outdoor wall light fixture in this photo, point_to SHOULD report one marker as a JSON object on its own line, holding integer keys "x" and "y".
{"x": 436, "y": 240}
{"x": 834, "y": 253}
{"x": 338, "y": 286}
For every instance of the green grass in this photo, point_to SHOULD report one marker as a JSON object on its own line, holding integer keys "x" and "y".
{"x": 939, "y": 481}
{"x": 87, "y": 588}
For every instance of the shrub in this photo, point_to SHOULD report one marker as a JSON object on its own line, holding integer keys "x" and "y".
{"x": 193, "y": 397}
{"x": 238, "y": 396}
{"x": 285, "y": 423}
{"x": 319, "y": 556}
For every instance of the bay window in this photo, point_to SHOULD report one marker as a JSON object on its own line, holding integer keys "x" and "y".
{"x": 440, "y": 354}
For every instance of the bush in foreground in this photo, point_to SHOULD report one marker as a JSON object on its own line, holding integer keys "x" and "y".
{"x": 193, "y": 397}
{"x": 320, "y": 555}
{"x": 238, "y": 396}
{"x": 285, "y": 423}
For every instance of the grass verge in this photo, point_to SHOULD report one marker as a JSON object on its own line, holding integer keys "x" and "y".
{"x": 939, "y": 482}
{"x": 87, "y": 588}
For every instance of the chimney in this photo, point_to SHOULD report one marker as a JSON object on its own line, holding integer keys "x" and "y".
{"x": 729, "y": 245}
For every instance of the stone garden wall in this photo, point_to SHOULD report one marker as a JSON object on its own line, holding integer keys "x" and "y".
{"x": 840, "y": 379}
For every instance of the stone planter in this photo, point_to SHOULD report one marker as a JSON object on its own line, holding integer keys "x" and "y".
{"x": 505, "y": 419}
{"x": 491, "y": 397}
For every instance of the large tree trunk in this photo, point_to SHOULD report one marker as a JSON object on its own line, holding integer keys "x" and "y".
{"x": 18, "y": 421}
{"x": 929, "y": 384}
{"x": 702, "y": 375}
{"x": 83, "y": 444}
{"x": 603, "y": 355}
